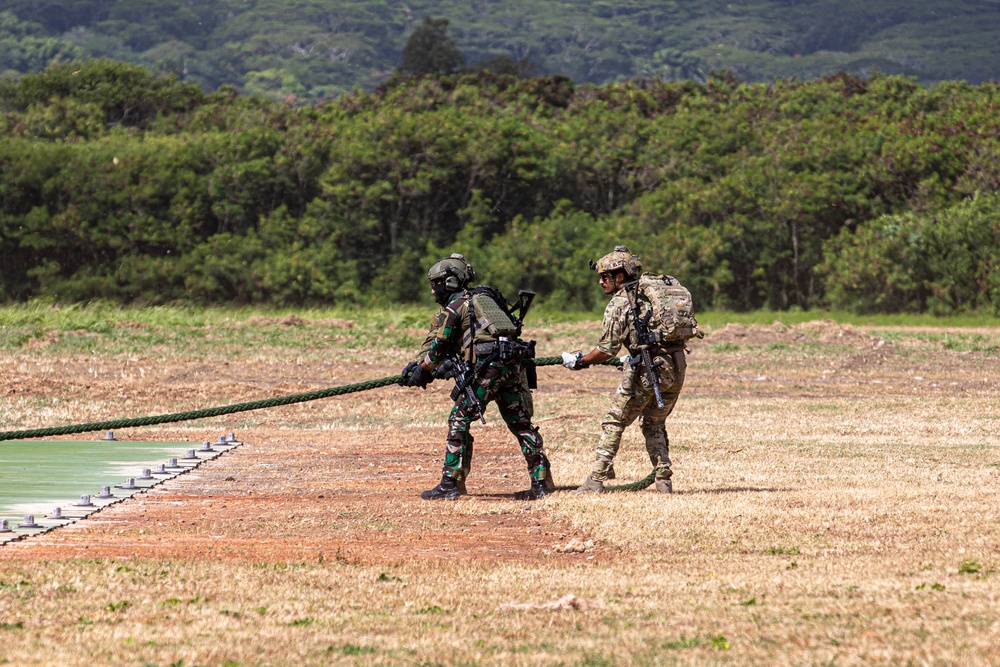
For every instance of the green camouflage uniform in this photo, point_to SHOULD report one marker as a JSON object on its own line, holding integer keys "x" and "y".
{"x": 634, "y": 397}
{"x": 505, "y": 383}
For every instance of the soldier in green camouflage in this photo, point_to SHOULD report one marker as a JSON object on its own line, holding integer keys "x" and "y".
{"x": 495, "y": 377}
{"x": 634, "y": 397}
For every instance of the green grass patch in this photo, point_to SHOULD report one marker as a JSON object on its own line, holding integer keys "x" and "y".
{"x": 970, "y": 567}
{"x": 930, "y": 587}
{"x": 433, "y": 609}
{"x": 350, "y": 649}
{"x": 104, "y": 329}
{"x": 716, "y": 642}
{"x": 784, "y": 551}
{"x": 955, "y": 342}
{"x": 718, "y": 319}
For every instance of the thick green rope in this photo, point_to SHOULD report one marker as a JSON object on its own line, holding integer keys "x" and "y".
{"x": 198, "y": 414}
{"x": 257, "y": 405}
{"x": 634, "y": 486}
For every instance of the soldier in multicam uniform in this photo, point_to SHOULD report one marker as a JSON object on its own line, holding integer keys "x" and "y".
{"x": 633, "y": 399}
{"x": 505, "y": 381}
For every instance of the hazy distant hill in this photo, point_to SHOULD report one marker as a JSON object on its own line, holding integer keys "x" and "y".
{"x": 315, "y": 48}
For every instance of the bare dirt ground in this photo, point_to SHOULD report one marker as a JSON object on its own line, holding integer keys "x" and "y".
{"x": 291, "y": 500}
{"x": 836, "y": 500}
{"x": 290, "y": 496}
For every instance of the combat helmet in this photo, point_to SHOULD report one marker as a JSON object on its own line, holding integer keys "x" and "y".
{"x": 454, "y": 270}
{"x": 621, "y": 259}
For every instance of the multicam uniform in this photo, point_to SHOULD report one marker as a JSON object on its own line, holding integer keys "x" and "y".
{"x": 634, "y": 397}
{"x": 504, "y": 382}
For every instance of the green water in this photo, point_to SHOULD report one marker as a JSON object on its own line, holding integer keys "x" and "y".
{"x": 37, "y": 475}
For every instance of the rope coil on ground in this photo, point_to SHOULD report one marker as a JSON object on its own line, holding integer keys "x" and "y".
{"x": 257, "y": 405}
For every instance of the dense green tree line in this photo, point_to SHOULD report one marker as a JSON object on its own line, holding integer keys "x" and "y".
{"x": 868, "y": 194}
{"x": 314, "y": 49}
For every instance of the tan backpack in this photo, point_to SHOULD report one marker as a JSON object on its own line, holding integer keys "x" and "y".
{"x": 671, "y": 306}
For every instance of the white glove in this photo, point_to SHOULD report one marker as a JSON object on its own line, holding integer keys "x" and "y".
{"x": 571, "y": 360}
{"x": 626, "y": 360}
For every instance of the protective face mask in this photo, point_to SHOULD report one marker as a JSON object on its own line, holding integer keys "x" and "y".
{"x": 440, "y": 294}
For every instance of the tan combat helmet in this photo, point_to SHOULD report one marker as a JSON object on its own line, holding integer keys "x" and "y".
{"x": 454, "y": 270}
{"x": 621, "y": 259}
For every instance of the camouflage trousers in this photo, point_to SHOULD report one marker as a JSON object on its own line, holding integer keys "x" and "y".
{"x": 507, "y": 386}
{"x": 635, "y": 399}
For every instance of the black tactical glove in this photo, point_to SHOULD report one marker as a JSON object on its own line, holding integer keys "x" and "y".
{"x": 446, "y": 370}
{"x": 418, "y": 377}
{"x": 407, "y": 372}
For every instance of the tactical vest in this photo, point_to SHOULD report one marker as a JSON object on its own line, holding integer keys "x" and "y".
{"x": 673, "y": 310}
{"x": 495, "y": 331}
{"x": 492, "y": 317}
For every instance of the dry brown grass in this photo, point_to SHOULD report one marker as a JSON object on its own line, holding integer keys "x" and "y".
{"x": 836, "y": 503}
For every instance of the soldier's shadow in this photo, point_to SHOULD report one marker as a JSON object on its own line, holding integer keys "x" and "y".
{"x": 739, "y": 489}
{"x": 521, "y": 495}
{"x": 516, "y": 495}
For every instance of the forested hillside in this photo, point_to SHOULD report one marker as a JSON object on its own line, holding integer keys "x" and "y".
{"x": 312, "y": 49}
{"x": 877, "y": 195}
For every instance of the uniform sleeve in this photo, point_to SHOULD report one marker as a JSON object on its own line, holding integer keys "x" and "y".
{"x": 437, "y": 323}
{"x": 614, "y": 332}
{"x": 445, "y": 336}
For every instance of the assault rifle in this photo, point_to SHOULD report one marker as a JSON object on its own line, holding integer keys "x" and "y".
{"x": 520, "y": 309}
{"x": 455, "y": 368}
{"x": 645, "y": 339}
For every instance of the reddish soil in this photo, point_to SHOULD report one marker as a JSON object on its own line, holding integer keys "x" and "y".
{"x": 277, "y": 498}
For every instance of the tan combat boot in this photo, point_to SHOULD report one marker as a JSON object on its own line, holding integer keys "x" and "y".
{"x": 590, "y": 485}
{"x": 664, "y": 486}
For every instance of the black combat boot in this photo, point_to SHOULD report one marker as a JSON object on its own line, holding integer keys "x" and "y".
{"x": 448, "y": 489}
{"x": 538, "y": 490}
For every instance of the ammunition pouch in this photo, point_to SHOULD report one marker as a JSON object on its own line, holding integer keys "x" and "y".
{"x": 681, "y": 334}
{"x": 484, "y": 350}
{"x": 655, "y": 351}
{"x": 530, "y": 370}
{"x": 505, "y": 350}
